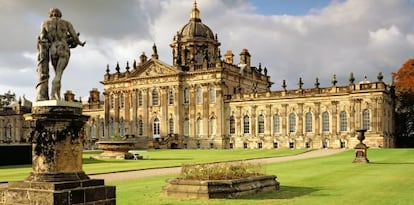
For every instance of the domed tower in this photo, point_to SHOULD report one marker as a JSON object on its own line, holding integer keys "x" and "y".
{"x": 195, "y": 47}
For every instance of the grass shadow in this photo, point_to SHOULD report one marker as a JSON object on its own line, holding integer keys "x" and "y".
{"x": 285, "y": 192}
{"x": 391, "y": 162}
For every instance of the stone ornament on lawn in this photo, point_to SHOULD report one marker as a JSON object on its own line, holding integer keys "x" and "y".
{"x": 223, "y": 180}
{"x": 361, "y": 149}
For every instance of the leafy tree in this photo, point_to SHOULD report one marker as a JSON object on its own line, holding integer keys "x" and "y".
{"x": 404, "y": 111}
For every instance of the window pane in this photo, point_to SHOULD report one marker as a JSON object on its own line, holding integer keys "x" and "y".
{"x": 292, "y": 122}
{"x": 232, "y": 125}
{"x": 325, "y": 122}
{"x": 308, "y": 122}
{"x": 261, "y": 124}
{"x": 343, "y": 121}
{"x": 365, "y": 119}
{"x": 276, "y": 124}
{"x": 246, "y": 125}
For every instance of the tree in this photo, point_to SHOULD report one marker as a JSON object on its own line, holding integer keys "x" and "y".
{"x": 404, "y": 110}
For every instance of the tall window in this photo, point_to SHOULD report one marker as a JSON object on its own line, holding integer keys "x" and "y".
{"x": 122, "y": 100}
{"x": 199, "y": 126}
{"x": 140, "y": 127}
{"x": 343, "y": 122}
{"x": 186, "y": 96}
{"x": 246, "y": 124}
{"x": 365, "y": 119}
{"x": 154, "y": 97}
{"x": 186, "y": 127}
{"x": 199, "y": 96}
{"x": 232, "y": 125}
{"x": 122, "y": 128}
{"x": 292, "y": 122}
{"x": 102, "y": 129}
{"x": 112, "y": 101}
{"x": 212, "y": 95}
{"x": 171, "y": 125}
{"x": 170, "y": 96}
{"x": 325, "y": 121}
{"x": 139, "y": 98}
{"x": 111, "y": 127}
{"x": 156, "y": 130}
{"x": 276, "y": 123}
{"x": 260, "y": 123}
{"x": 308, "y": 122}
{"x": 212, "y": 126}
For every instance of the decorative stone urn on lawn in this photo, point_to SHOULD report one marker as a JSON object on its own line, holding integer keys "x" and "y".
{"x": 361, "y": 149}
{"x": 228, "y": 180}
{"x": 115, "y": 149}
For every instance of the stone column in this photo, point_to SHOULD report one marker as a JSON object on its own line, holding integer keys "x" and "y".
{"x": 300, "y": 120}
{"x": 284, "y": 121}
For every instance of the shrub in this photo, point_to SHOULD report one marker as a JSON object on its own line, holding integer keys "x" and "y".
{"x": 221, "y": 171}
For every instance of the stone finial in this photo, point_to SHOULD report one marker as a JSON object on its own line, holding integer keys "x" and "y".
{"x": 143, "y": 58}
{"x": 317, "y": 83}
{"x": 265, "y": 71}
{"x": 380, "y": 77}
{"x": 284, "y": 84}
{"x": 300, "y": 83}
{"x": 334, "y": 81}
{"x": 134, "y": 64}
{"x": 127, "y": 66}
{"x": 260, "y": 68}
{"x": 154, "y": 52}
{"x": 107, "y": 68}
{"x": 351, "y": 78}
{"x": 117, "y": 68}
{"x": 216, "y": 37}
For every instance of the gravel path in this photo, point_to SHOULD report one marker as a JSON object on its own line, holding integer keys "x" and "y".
{"x": 118, "y": 176}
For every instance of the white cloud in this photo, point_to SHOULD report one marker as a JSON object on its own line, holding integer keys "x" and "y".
{"x": 364, "y": 37}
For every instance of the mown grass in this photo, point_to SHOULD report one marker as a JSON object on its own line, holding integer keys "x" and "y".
{"x": 154, "y": 159}
{"x": 325, "y": 180}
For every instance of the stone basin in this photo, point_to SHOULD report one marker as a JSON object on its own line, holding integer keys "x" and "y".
{"x": 114, "y": 149}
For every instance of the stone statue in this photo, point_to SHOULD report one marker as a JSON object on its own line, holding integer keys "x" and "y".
{"x": 56, "y": 38}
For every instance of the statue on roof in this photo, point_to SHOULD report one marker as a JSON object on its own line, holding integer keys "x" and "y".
{"x": 55, "y": 40}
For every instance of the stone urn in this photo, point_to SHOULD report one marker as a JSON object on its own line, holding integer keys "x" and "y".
{"x": 361, "y": 149}
{"x": 115, "y": 149}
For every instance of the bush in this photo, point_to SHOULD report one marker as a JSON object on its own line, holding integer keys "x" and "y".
{"x": 221, "y": 171}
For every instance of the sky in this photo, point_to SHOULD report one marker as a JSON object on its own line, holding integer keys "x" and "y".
{"x": 291, "y": 38}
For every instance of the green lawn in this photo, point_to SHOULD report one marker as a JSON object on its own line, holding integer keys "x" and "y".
{"x": 326, "y": 180}
{"x": 153, "y": 159}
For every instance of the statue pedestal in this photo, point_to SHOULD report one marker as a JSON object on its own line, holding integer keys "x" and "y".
{"x": 57, "y": 176}
{"x": 361, "y": 153}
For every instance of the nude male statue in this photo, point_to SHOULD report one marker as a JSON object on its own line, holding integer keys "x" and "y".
{"x": 56, "y": 38}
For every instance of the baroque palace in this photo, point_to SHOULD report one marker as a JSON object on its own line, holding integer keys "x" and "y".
{"x": 206, "y": 100}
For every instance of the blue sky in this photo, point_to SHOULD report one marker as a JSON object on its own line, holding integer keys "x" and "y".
{"x": 288, "y": 7}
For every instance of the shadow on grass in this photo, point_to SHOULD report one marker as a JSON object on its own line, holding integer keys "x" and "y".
{"x": 119, "y": 161}
{"x": 285, "y": 192}
{"x": 391, "y": 162}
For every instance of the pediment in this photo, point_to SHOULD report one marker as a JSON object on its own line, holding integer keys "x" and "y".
{"x": 154, "y": 68}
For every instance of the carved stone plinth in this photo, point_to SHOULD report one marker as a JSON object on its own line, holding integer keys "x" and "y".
{"x": 361, "y": 149}
{"x": 57, "y": 176}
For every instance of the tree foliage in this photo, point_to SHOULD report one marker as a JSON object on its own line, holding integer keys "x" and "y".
{"x": 404, "y": 110}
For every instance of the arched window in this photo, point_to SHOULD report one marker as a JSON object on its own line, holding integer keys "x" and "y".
{"x": 343, "y": 122}
{"x": 93, "y": 131}
{"x": 199, "y": 126}
{"x": 186, "y": 127}
{"x": 140, "y": 127}
{"x": 232, "y": 125}
{"x": 260, "y": 124}
{"x": 246, "y": 124}
{"x": 186, "y": 96}
{"x": 170, "y": 96}
{"x": 171, "y": 125}
{"x": 365, "y": 120}
{"x": 292, "y": 122}
{"x": 212, "y": 95}
{"x": 156, "y": 130}
{"x": 139, "y": 98}
{"x": 199, "y": 96}
{"x": 212, "y": 125}
{"x": 276, "y": 123}
{"x": 154, "y": 97}
{"x": 308, "y": 122}
{"x": 325, "y": 121}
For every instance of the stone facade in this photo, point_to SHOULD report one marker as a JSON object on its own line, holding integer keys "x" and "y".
{"x": 205, "y": 100}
